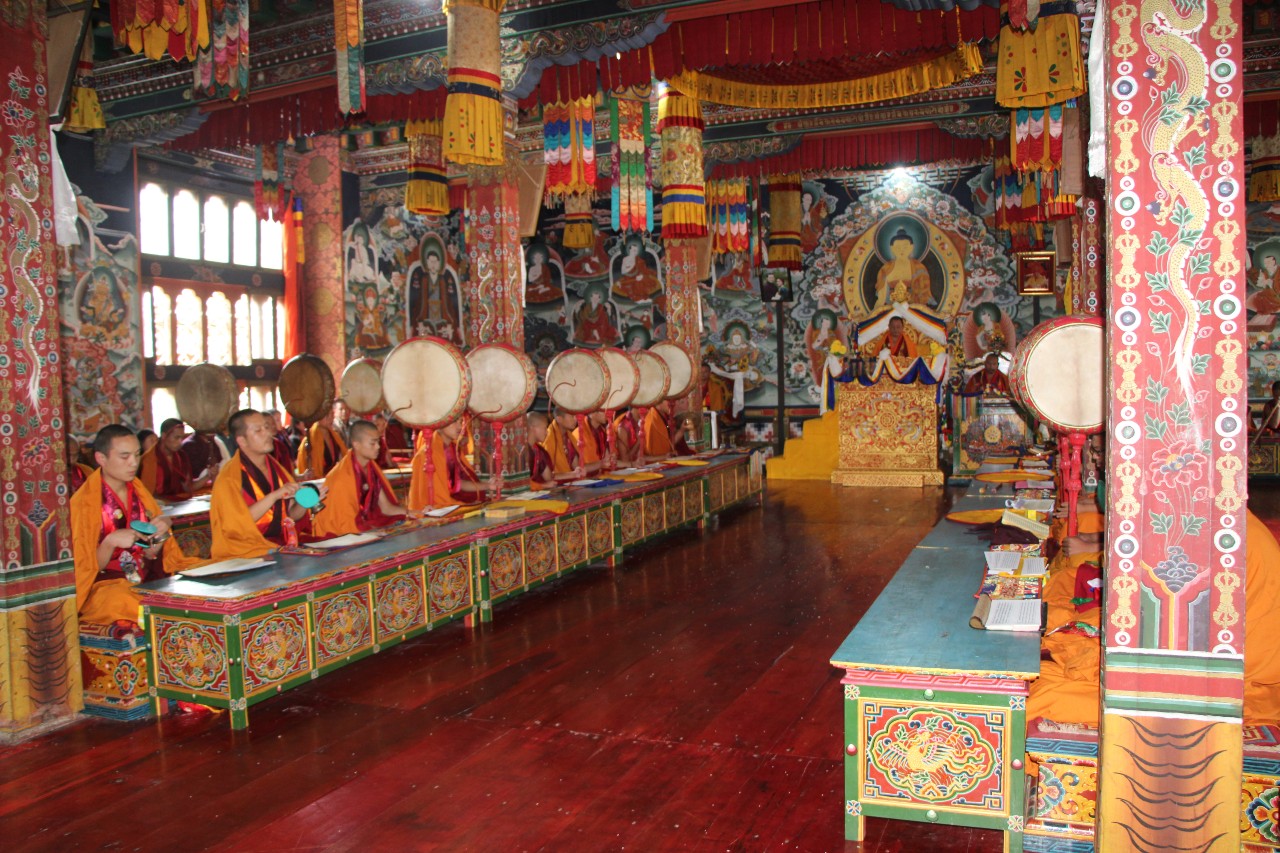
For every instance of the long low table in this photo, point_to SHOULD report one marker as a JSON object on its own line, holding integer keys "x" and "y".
{"x": 934, "y": 710}
{"x": 233, "y": 641}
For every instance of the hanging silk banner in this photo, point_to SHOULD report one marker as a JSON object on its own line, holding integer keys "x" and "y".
{"x": 1041, "y": 66}
{"x": 784, "y": 221}
{"x": 427, "y": 191}
{"x": 84, "y": 111}
{"x": 1037, "y": 139}
{"x": 155, "y": 28}
{"x": 680, "y": 125}
{"x": 269, "y": 192}
{"x": 348, "y": 36}
{"x": 727, "y": 216}
{"x": 473, "y": 110}
{"x": 579, "y": 224}
{"x": 222, "y": 67}
{"x": 632, "y": 169}
{"x": 569, "y": 147}
{"x": 300, "y": 251}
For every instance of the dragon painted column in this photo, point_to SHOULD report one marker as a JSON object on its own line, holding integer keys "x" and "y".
{"x": 1177, "y": 429}
{"x": 318, "y": 182}
{"x": 493, "y": 288}
{"x": 39, "y": 658}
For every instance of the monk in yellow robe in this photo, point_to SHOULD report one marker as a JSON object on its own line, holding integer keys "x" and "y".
{"x": 253, "y": 495}
{"x": 657, "y": 432}
{"x": 109, "y": 556}
{"x": 561, "y": 447}
{"x": 629, "y": 438}
{"x": 594, "y": 442}
{"x": 452, "y": 480}
{"x": 894, "y": 343}
{"x": 359, "y": 496}
{"x": 541, "y": 473}
{"x": 320, "y": 450}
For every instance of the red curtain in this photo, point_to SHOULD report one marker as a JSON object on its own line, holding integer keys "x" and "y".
{"x": 894, "y": 148}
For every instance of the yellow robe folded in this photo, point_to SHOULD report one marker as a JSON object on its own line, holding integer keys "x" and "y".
{"x": 235, "y": 534}
{"x": 108, "y": 600}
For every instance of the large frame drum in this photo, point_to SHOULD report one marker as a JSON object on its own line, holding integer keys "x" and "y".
{"x": 655, "y": 380}
{"x": 624, "y": 378}
{"x": 504, "y": 382}
{"x": 361, "y": 386}
{"x": 306, "y": 387}
{"x": 1057, "y": 374}
{"x": 683, "y": 375}
{"x": 578, "y": 381}
{"x": 426, "y": 382}
{"x": 206, "y": 396}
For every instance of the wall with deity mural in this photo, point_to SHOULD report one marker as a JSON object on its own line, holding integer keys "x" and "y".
{"x": 614, "y": 292}
{"x": 1263, "y": 300}
{"x": 99, "y": 327}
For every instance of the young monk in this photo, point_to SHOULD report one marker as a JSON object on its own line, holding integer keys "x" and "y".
{"x": 253, "y": 493}
{"x": 77, "y": 471}
{"x": 320, "y": 450}
{"x": 657, "y": 432}
{"x": 281, "y": 450}
{"x": 560, "y": 446}
{"x": 109, "y": 556}
{"x": 360, "y": 498}
{"x": 630, "y": 438}
{"x": 454, "y": 480}
{"x": 541, "y": 472}
{"x": 164, "y": 469}
{"x": 594, "y": 442}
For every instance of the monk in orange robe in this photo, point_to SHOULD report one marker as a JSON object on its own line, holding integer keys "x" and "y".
{"x": 988, "y": 380}
{"x": 560, "y": 446}
{"x": 657, "y": 432}
{"x": 281, "y": 450}
{"x": 165, "y": 470}
{"x": 895, "y": 341}
{"x": 109, "y": 556}
{"x": 359, "y": 496}
{"x": 453, "y": 480}
{"x": 629, "y": 437}
{"x": 594, "y": 441}
{"x": 320, "y": 450}
{"x": 77, "y": 471}
{"x": 253, "y": 495}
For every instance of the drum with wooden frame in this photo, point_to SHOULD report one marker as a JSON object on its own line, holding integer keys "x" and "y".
{"x": 655, "y": 380}
{"x": 624, "y": 378}
{"x": 504, "y": 382}
{"x": 206, "y": 396}
{"x": 683, "y": 375}
{"x": 306, "y": 387}
{"x": 361, "y": 386}
{"x": 1057, "y": 374}
{"x": 578, "y": 381}
{"x": 426, "y": 382}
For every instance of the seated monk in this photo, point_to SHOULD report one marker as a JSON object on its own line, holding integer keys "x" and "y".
{"x": 281, "y": 449}
{"x": 110, "y": 557}
{"x": 1067, "y": 690}
{"x": 77, "y": 471}
{"x": 203, "y": 453}
{"x": 541, "y": 472}
{"x": 988, "y": 380}
{"x": 658, "y": 429}
{"x": 359, "y": 496}
{"x": 562, "y": 449}
{"x": 1270, "y": 420}
{"x": 164, "y": 469}
{"x": 253, "y": 493}
{"x": 894, "y": 343}
{"x": 320, "y": 450}
{"x": 629, "y": 437}
{"x": 452, "y": 480}
{"x": 594, "y": 443}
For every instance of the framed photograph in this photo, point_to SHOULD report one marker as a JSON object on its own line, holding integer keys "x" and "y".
{"x": 1036, "y": 272}
{"x": 775, "y": 285}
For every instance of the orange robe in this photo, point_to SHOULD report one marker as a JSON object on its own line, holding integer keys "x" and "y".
{"x": 164, "y": 477}
{"x": 657, "y": 435}
{"x": 629, "y": 432}
{"x": 904, "y": 348}
{"x": 418, "y": 496}
{"x": 562, "y": 449}
{"x": 1261, "y": 624}
{"x": 115, "y": 598}
{"x": 980, "y": 383}
{"x": 320, "y": 451}
{"x": 235, "y": 533}
{"x": 344, "y": 509}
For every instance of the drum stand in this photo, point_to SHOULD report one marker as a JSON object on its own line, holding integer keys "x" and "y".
{"x": 1069, "y": 448}
{"x": 611, "y": 436}
{"x": 429, "y": 436}
{"x": 583, "y": 426}
{"x": 499, "y": 436}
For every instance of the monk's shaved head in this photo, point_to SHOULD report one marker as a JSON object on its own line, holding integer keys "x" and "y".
{"x": 359, "y": 429}
{"x": 535, "y": 419}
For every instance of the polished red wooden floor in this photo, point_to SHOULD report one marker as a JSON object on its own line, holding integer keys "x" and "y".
{"x": 681, "y": 702}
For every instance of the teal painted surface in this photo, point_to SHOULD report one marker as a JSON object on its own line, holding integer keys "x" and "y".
{"x": 920, "y": 621}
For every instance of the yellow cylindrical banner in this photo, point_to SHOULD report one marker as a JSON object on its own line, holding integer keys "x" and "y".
{"x": 427, "y": 191}
{"x": 473, "y": 109}
{"x": 784, "y": 221}
{"x": 680, "y": 124}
